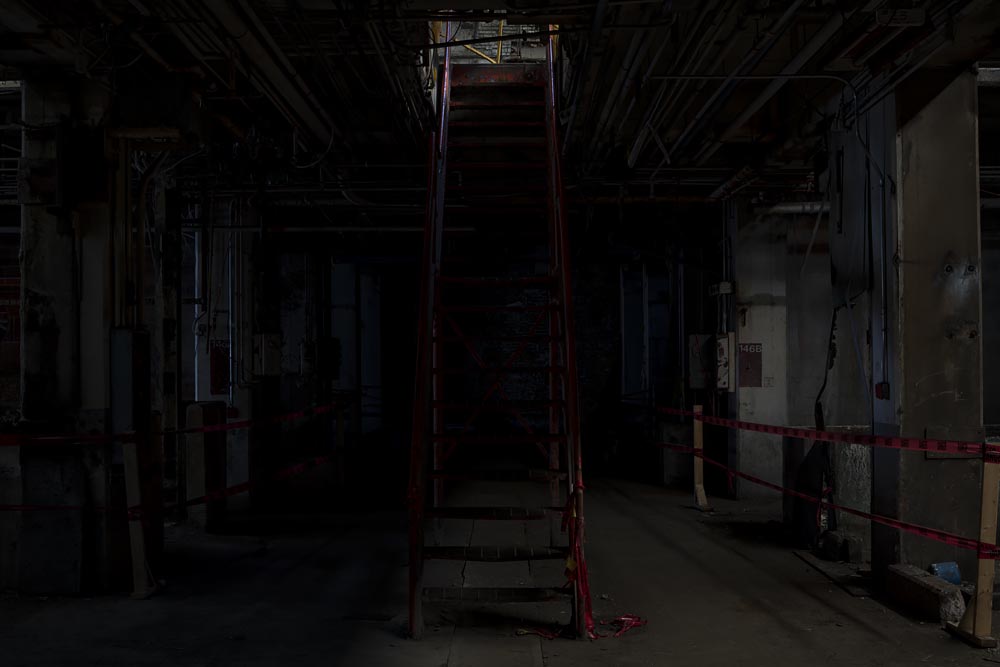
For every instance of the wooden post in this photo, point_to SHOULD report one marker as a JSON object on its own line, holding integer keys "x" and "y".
{"x": 700, "y": 499}
{"x": 976, "y": 625}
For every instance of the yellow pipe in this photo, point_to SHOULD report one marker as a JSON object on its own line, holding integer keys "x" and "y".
{"x": 499, "y": 43}
{"x": 480, "y": 54}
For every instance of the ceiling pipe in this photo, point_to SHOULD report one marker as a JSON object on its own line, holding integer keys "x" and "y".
{"x": 846, "y": 83}
{"x": 655, "y": 107}
{"x": 336, "y": 229}
{"x": 636, "y": 52}
{"x": 801, "y": 59}
{"x": 143, "y": 45}
{"x": 584, "y": 70}
{"x": 799, "y": 208}
{"x": 281, "y": 82}
{"x": 748, "y": 64}
{"x": 678, "y": 93}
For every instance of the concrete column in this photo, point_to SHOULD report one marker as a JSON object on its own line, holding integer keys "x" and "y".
{"x": 49, "y": 354}
{"x": 64, "y": 260}
{"x": 940, "y": 349}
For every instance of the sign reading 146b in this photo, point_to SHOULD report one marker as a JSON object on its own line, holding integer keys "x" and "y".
{"x": 751, "y": 364}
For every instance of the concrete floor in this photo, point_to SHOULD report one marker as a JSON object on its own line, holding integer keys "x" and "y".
{"x": 332, "y": 592}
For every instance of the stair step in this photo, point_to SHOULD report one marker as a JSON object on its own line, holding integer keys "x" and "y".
{"x": 479, "y": 260}
{"x": 493, "y": 513}
{"x": 498, "y": 77}
{"x": 496, "y": 123}
{"x": 512, "y": 370}
{"x": 524, "y": 404}
{"x": 496, "y": 595}
{"x": 494, "y": 188}
{"x": 497, "y": 281}
{"x": 499, "y": 216}
{"x": 486, "y": 212}
{"x": 512, "y": 439}
{"x": 497, "y": 339}
{"x": 487, "y": 105}
{"x": 495, "y": 554}
{"x": 533, "y": 475}
{"x": 484, "y": 166}
{"x": 497, "y": 142}
{"x": 496, "y": 309}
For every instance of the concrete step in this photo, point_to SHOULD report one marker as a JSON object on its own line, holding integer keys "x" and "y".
{"x": 484, "y": 554}
{"x": 494, "y": 513}
{"x": 496, "y": 595}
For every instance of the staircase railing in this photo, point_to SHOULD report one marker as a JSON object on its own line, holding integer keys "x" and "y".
{"x": 423, "y": 390}
{"x": 561, "y": 271}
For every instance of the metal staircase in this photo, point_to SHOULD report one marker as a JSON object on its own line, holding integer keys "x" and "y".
{"x": 495, "y": 422}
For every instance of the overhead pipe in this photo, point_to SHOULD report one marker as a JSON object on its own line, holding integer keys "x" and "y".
{"x": 846, "y": 83}
{"x": 143, "y": 45}
{"x": 580, "y": 81}
{"x": 655, "y": 108}
{"x": 281, "y": 82}
{"x": 337, "y": 229}
{"x": 695, "y": 63}
{"x": 801, "y": 59}
{"x": 799, "y": 208}
{"x": 748, "y": 64}
{"x": 636, "y": 52}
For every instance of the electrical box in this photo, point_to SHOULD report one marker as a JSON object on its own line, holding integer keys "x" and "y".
{"x": 701, "y": 361}
{"x": 720, "y": 289}
{"x": 725, "y": 367}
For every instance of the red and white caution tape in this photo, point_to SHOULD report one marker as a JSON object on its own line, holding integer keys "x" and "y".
{"x": 989, "y": 451}
{"x": 985, "y": 550}
{"x": 25, "y": 439}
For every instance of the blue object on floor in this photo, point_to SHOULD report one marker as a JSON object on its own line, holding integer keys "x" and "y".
{"x": 947, "y": 571}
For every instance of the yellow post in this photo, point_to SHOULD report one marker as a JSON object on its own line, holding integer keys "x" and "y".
{"x": 700, "y": 499}
{"x": 976, "y": 625}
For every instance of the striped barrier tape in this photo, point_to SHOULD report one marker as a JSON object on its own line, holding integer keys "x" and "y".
{"x": 137, "y": 511}
{"x": 22, "y": 439}
{"x": 985, "y": 550}
{"x": 989, "y": 451}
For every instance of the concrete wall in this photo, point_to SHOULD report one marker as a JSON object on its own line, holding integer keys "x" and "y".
{"x": 64, "y": 268}
{"x": 761, "y": 310}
